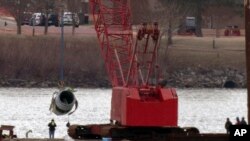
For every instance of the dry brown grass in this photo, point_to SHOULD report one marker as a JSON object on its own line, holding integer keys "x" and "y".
{"x": 199, "y": 52}
{"x": 37, "y": 58}
{"x": 25, "y": 57}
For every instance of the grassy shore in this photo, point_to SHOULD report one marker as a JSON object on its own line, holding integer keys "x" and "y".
{"x": 208, "y": 52}
{"x": 38, "y": 58}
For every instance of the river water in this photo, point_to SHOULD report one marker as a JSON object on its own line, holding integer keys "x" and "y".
{"x": 28, "y": 109}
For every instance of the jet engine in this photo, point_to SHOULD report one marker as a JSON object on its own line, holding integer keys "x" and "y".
{"x": 63, "y": 102}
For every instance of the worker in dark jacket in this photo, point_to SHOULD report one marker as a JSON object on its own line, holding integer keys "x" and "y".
{"x": 227, "y": 125}
{"x": 243, "y": 122}
{"x": 237, "y": 121}
{"x": 52, "y": 128}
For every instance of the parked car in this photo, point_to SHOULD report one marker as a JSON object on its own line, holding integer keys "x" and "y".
{"x": 232, "y": 30}
{"x": 68, "y": 19}
{"x": 53, "y": 19}
{"x": 26, "y": 18}
{"x": 36, "y": 19}
{"x": 39, "y": 19}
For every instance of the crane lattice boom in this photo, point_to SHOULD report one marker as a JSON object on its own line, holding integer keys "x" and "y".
{"x": 130, "y": 63}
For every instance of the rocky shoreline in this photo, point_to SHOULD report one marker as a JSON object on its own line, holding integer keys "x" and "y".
{"x": 53, "y": 83}
{"x": 181, "y": 78}
{"x": 207, "y": 78}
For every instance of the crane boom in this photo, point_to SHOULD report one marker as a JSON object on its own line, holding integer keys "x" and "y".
{"x": 114, "y": 32}
{"x": 130, "y": 64}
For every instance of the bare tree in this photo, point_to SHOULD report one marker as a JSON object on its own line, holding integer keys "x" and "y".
{"x": 141, "y": 11}
{"x": 16, "y": 9}
{"x": 74, "y": 6}
{"x": 200, "y": 6}
{"x": 170, "y": 14}
{"x": 46, "y": 6}
{"x": 219, "y": 12}
{"x": 198, "y": 14}
{"x": 167, "y": 12}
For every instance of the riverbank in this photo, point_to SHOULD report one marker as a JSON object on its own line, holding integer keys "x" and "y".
{"x": 27, "y": 61}
{"x": 189, "y": 78}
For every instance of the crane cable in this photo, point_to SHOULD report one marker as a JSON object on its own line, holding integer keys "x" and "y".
{"x": 61, "y": 86}
{"x": 158, "y": 73}
{"x": 61, "y": 82}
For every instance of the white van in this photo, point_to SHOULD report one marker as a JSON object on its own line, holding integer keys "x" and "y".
{"x": 68, "y": 18}
{"x": 36, "y": 19}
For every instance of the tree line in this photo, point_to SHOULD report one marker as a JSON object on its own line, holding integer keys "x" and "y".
{"x": 170, "y": 13}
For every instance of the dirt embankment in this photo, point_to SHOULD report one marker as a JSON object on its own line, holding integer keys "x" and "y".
{"x": 27, "y": 61}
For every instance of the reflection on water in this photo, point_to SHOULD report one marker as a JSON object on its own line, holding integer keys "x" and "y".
{"x": 207, "y": 109}
{"x": 28, "y": 109}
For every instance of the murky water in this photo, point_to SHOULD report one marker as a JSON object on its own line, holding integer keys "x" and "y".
{"x": 28, "y": 109}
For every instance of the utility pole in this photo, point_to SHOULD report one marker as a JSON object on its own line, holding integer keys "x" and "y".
{"x": 247, "y": 32}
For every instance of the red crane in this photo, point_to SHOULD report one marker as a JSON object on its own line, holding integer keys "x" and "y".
{"x": 139, "y": 104}
{"x": 130, "y": 64}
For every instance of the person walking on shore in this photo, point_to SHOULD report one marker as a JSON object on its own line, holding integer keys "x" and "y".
{"x": 52, "y": 128}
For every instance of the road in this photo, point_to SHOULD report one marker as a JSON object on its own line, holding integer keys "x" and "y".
{"x": 10, "y": 28}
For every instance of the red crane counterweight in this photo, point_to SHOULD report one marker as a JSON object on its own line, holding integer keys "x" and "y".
{"x": 144, "y": 107}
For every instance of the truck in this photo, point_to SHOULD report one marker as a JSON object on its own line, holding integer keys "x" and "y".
{"x": 188, "y": 27}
